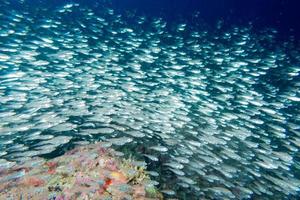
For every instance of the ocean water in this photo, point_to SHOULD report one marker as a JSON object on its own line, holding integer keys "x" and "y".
{"x": 205, "y": 92}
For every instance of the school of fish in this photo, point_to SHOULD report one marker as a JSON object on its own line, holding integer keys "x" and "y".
{"x": 212, "y": 112}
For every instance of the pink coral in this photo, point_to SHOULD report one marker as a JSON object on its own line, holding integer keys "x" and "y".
{"x": 33, "y": 181}
{"x": 86, "y": 173}
{"x": 110, "y": 164}
{"x": 82, "y": 179}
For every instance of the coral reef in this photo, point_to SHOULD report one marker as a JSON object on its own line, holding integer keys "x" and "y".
{"x": 86, "y": 172}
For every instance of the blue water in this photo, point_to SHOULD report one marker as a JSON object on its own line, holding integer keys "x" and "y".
{"x": 280, "y": 14}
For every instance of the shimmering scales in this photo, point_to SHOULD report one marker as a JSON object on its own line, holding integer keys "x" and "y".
{"x": 204, "y": 108}
{"x": 120, "y": 141}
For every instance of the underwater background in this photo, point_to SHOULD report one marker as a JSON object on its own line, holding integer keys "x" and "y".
{"x": 204, "y": 93}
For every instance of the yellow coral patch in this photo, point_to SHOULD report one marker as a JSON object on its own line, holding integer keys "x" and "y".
{"x": 118, "y": 176}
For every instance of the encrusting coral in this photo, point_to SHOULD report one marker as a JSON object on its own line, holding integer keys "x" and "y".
{"x": 86, "y": 172}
